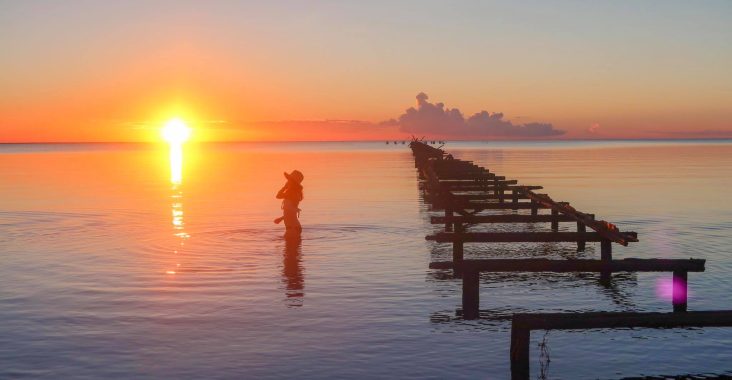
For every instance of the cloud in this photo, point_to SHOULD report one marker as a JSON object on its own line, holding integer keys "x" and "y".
{"x": 435, "y": 118}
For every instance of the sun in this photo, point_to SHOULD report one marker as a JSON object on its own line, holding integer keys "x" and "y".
{"x": 176, "y": 131}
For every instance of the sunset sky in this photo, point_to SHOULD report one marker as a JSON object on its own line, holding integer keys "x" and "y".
{"x": 349, "y": 70}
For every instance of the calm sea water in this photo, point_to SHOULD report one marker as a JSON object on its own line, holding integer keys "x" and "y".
{"x": 107, "y": 270}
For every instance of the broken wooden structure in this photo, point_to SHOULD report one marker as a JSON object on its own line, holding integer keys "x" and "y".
{"x": 522, "y": 324}
{"x": 464, "y": 191}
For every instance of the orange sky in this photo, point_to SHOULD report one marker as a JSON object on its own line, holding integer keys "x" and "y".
{"x": 87, "y": 71}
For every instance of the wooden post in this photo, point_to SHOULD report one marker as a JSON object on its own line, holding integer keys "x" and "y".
{"x": 581, "y": 228}
{"x": 606, "y": 250}
{"x": 679, "y": 292}
{"x": 555, "y": 222}
{"x": 457, "y": 252}
{"x": 534, "y": 208}
{"x": 520, "y": 338}
{"x": 448, "y": 215}
{"x": 515, "y": 195}
{"x": 500, "y": 195}
{"x": 606, "y": 255}
{"x": 471, "y": 294}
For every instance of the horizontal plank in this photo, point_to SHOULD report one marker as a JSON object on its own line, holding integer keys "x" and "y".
{"x": 452, "y": 181}
{"x": 466, "y": 186}
{"x": 517, "y": 237}
{"x": 606, "y": 229}
{"x": 576, "y": 265}
{"x": 469, "y": 205}
{"x": 599, "y": 320}
{"x": 469, "y": 177}
{"x": 501, "y": 219}
{"x": 484, "y": 197}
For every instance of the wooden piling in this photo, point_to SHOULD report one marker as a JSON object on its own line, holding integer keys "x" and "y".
{"x": 448, "y": 215}
{"x": 522, "y": 324}
{"x": 471, "y": 294}
{"x": 679, "y": 292}
{"x": 520, "y": 339}
{"x": 606, "y": 255}
{"x": 581, "y": 228}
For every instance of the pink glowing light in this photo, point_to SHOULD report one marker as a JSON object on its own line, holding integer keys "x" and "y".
{"x": 672, "y": 290}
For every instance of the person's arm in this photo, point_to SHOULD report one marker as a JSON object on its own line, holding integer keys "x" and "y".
{"x": 281, "y": 193}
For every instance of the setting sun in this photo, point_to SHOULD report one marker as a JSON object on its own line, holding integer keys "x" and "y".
{"x": 176, "y": 131}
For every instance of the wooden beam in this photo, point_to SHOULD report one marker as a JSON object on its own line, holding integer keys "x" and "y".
{"x": 453, "y": 177}
{"x": 481, "y": 197}
{"x": 608, "y": 230}
{"x": 469, "y": 205}
{"x": 451, "y": 182}
{"x": 522, "y": 324}
{"x": 473, "y": 186}
{"x": 517, "y": 237}
{"x": 576, "y": 265}
{"x": 507, "y": 218}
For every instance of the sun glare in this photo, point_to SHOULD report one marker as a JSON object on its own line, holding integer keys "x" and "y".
{"x": 176, "y": 131}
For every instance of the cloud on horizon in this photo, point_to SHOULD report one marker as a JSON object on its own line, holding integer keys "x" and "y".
{"x": 435, "y": 118}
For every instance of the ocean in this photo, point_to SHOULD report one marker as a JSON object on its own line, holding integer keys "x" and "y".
{"x": 112, "y": 267}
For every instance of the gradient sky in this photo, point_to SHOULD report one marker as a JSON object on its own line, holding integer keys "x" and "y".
{"x": 322, "y": 70}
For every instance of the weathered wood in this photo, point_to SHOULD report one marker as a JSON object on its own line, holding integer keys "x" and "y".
{"x": 606, "y": 254}
{"x": 453, "y": 183}
{"x": 581, "y": 229}
{"x": 457, "y": 250}
{"x": 516, "y": 237}
{"x": 473, "y": 186}
{"x": 522, "y": 324}
{"x": 508, "y": 218}
{"x": 607, "y": 229}
{"x": 471, "y": 307}
{"x": 604, "y": 320}
{"x": 679, "y": 268}
{"x": 577, "y": 265}
{"x": 469, "y": 178}
{"x": 606, "y": 250}
{"x": 474, "y": 197}
{"x": 555, "y": 220}
{"x": 448, "y": 215}
{"x": 679, "y": 290}
{"x": 472, "y": 205}
{"x": 471, "y": 294}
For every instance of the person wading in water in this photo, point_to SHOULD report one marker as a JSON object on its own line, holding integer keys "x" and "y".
{"x": 291, "y": 195}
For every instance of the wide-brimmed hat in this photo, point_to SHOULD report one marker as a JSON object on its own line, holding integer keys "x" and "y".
{"x": 295, "y": 176}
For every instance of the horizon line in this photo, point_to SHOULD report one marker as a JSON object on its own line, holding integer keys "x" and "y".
{"x": 375, "y": 140}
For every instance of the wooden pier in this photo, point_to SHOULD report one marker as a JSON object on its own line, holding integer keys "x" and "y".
{"x": 522, "y": 324}
{"x": 470, "y": 195}
{"x": 464, "y": 191}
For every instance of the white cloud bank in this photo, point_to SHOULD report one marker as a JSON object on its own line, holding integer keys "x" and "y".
{"x": 435, "y": 118}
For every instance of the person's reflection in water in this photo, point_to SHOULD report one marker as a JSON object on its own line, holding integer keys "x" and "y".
{"x": 292, "y": 275}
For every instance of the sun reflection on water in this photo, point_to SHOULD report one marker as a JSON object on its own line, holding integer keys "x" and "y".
{"x": 176, "y": 133}
{"x": 176, "y": 163}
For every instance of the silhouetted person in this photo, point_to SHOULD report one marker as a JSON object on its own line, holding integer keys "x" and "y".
{"x": 291, "y": 195}
{"x": 292, "y": 275}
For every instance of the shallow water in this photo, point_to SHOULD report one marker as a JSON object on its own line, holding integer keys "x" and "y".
{"x": 109, "y": 270}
